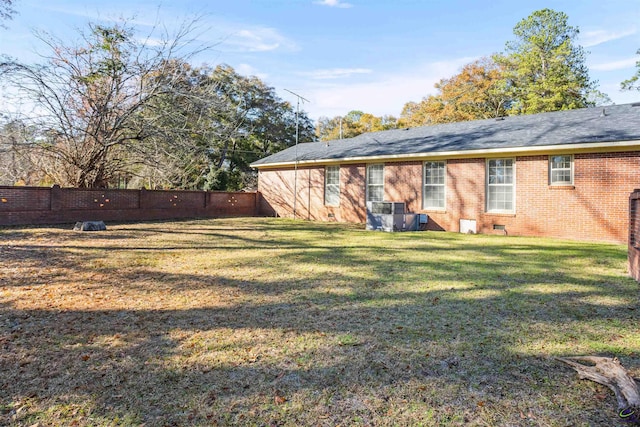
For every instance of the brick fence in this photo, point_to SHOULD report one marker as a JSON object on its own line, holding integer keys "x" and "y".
{"x": 634, "y": 235}
{"x": 41, "y": 205}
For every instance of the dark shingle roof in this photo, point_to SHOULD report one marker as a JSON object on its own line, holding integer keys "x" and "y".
{"x": 589, "y": 125}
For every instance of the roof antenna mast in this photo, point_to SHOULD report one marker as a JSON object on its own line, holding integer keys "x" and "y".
{"x": 295, "y": 167}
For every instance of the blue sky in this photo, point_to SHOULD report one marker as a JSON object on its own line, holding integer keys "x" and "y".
{"x": 343, "y": 55}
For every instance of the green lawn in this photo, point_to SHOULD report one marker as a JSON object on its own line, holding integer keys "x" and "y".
{"x": 275, "y": 322}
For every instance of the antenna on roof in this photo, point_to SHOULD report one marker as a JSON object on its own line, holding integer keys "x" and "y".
{"x": 295, "y": 167}
{"x": 326, "y": 143}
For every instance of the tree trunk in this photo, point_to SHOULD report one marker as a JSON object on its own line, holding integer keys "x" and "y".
{"x": 608, "y": 371}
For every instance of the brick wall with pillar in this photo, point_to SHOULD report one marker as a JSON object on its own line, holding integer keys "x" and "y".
{"x": 634, "y": 235}
{"x": 55, "y": 205}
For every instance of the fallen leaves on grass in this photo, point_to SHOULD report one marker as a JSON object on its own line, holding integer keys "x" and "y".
{"x": 275, "y": 322}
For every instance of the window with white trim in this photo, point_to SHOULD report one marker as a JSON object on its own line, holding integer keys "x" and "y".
{"x": 501, "y": 185}
{"x": 561, "y": 170}
{"x": 332, "y": 186}
{"x": 434, "y": 185}
{"x": 375, "y": 182}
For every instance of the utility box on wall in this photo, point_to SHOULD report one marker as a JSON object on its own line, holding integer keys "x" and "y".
{"x": 468, "y": 226}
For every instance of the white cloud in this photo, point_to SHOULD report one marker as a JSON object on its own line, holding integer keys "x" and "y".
{"x": 153, "y": 41}
{"x": 248, "y": 70}
{"x": 253, "y": 39}
{"x": 335, "y": 73}
{"x": 334, "y": 3}
{"x": 594, "y": 38}
{"x": 615, "y": 65}
{"x": 104, "y": 13}
{"x": 383, "y": 94}
{"x": 231, "y": 36}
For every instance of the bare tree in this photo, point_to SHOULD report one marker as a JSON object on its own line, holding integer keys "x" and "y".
{"x": 16, "y": 167}
{"x": 92, "y": 99}
{"x": 6, "y": 10}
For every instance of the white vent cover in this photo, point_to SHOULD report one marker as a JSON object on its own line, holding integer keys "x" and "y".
{"x": 468, "y": 226}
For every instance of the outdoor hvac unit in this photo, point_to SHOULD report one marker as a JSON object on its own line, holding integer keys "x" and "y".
{"x": 390, "y": 216}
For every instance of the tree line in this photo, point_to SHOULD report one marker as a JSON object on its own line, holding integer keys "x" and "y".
{"x": 542, "y": 69}
{"x": 117, "y": 110}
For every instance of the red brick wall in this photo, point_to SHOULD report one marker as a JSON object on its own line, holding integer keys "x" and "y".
{"x": 14, "y": 199}
{"x": 277, "y": 187}
{"x": 403, "y": 183}
{"x": 173, "y": 199}
{"x": 72, "y": 198}
{"x": 595, "y": 207}
{"x": 352, "y": 193}
{"x": 634, "y": 235}
{"x": 37, "y": 205}
{"x": 464, "y": 195}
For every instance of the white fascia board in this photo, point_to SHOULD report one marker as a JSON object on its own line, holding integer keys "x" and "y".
{"x": 598, "y": 147}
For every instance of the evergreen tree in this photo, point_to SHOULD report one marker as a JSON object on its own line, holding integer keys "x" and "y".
{"x": 545, "y": 68}
{"x": 633, "y": 83}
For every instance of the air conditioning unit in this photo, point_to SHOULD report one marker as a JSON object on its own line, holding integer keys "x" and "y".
{"x": 390, "y": 216}
{"x": 386, "y": 208}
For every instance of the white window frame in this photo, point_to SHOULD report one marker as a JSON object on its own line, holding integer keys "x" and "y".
{"x": 426, "y": 185}
{"x": 331, "y": 187}
{"x": 369, "y": 185}
{"x": 552, "y": 169}
{"x": 489, "y": 186}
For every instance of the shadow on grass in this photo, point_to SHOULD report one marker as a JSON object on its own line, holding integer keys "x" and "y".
{"x": 157, "y": 369}
{"x": 406, "y": 323}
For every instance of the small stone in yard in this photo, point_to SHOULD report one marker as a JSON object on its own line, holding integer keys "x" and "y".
{"x": 90, "y": 226}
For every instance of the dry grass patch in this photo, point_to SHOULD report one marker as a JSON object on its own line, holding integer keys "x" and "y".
{"x": 276, "y": 322}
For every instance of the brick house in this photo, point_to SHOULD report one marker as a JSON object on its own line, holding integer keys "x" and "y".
{"x": 563, "y": 174}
